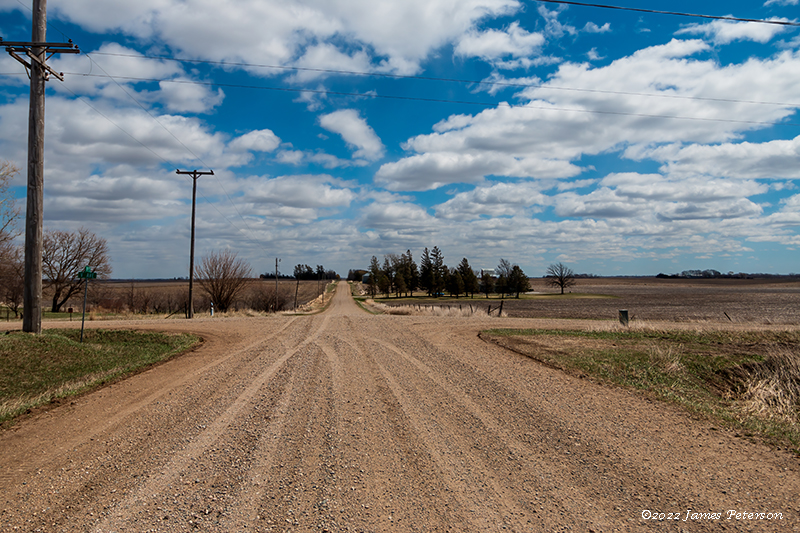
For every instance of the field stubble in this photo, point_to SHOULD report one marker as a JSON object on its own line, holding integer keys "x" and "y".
{"x": 732, "y": 301}
{"x": 757, "y": 302}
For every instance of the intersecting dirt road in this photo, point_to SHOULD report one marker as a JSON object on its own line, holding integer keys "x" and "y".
{"x": 345, "y": 421}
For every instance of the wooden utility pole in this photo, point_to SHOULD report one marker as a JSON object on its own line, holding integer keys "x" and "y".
{"x": 276, "y": 284}
{"x": 194, "y": 174}
{"x": 40, "y": 72}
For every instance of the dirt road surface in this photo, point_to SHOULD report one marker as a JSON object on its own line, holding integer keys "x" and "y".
{"x": 345, "y": 421}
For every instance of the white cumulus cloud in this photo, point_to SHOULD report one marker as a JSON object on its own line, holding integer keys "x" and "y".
{"x": 725, "y": 32}
{"x": 356, "y": 133}
{"x": 495, "y": 44}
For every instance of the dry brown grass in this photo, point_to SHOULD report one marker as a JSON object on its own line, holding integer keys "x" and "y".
{"x": 156, "y": 299}
{"x": 772, "y": 387}
{"x": 667, "y": 357}
{"x": 746, "y": 377}
{"x": 424, "y": 310}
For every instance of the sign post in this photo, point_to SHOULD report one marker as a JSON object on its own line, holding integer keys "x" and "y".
{"x": 85, "y": 274}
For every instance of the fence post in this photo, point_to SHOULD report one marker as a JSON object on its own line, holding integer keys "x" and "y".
{"x": 500, "y": 313}
{"x": 623, "y": 317}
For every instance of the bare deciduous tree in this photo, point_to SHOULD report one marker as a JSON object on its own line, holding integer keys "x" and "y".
{"x": 11, "y": 276}
{"x": 503, "y": 272}
{"x": 560, "y": 275}
{"x": 9, "y": 212}
{"x": 65, "y": 254}
{"x": 223, "y": 276}
{"x": 262, "y": 297}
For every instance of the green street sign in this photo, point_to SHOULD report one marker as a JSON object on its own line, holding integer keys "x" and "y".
{"x": 87, "y": 273}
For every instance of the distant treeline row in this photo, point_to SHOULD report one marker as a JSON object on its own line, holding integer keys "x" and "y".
{"x": 305, "y": 272}
{"x": 400, "y": 275}
{"x": 715, "y": 274}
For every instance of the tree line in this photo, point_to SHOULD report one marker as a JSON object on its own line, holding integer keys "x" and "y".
{"x": 400, "y": 275}
{"x": 305, "y": 272}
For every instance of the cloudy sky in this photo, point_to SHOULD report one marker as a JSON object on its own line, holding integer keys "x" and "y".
{"x": 614, "y": 141}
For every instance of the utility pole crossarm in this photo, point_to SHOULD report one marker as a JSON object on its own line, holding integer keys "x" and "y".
{"x": 34, "y": 49}
{"x": 195, "y": 173}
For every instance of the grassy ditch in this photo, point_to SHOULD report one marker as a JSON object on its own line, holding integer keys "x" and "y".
{"x": 746, "y": 380}
{"x": 35, "y": 370}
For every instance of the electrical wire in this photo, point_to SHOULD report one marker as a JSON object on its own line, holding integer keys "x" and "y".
{"x": 420, "y": 99}
{"x": 160, "y": 157}
{"x": 432, "y": 78}
{"x": 198, "y": 158}
{"x": 676, "y": 13}
{"x": 250, "y": 237}
{"x": 449, "y": 101}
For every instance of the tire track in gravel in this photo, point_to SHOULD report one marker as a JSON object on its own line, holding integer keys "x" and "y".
{"x": 394, "y": 482}
{"x": 547, "y": 450}
{"x": 459, "y": 472}
{"x": 524, "y": 455}
{"x": 247, "y": 506}
{"x": 179, "y": 463}
{"x": 131, "y": 407}
{"x": 301, "y": 471}
{"x": 442, "y": 461}
{"x": 632, "y": 452}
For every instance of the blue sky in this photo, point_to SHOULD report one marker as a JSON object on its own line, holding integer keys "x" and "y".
{"x": 619, "y": 143}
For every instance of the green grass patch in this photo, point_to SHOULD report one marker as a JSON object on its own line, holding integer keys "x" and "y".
{"x": 37, "y": 369}
{"x": 747, "y": 380}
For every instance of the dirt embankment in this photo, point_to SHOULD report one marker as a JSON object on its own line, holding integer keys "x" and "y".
{"x": 344, "y": 421}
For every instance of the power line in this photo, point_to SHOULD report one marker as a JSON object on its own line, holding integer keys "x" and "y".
{"x": 198, "y": 158}
{"x": 410, "y": 77}
{"x": 165, "y": 161}
{"x": 451, "y": 101}
{"x": 129, "y": 95}
{"x": 120, "y": 128}
{"x": 677, "y": 13}
{"x": 250, "y": 237}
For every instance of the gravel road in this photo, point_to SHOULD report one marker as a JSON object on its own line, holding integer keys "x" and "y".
{"x": 345, "y": 421}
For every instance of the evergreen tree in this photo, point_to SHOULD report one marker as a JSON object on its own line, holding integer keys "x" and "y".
{"x": 426, "y": 272}
{"x": 439, "y": 271}
{"x": 413, "y": 280}
{"x": 455, "y": 283}
{"x": 469, "y": 278}
{"x": 374, "y": 274}
{"x": 401, "y": 273}
{"x": 400, "y": 286}
{"x": 518, "y": 282}
{"x": 384, "y": 283}
{"x": 388, "y": 273}
{"x": 487, "y": 284}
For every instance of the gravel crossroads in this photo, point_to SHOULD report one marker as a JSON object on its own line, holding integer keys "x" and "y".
{"x": 345, "y": 421}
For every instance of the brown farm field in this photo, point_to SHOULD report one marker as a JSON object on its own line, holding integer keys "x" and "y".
{"x": 155, "y": 297}
{"x": 740, "y": 301}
